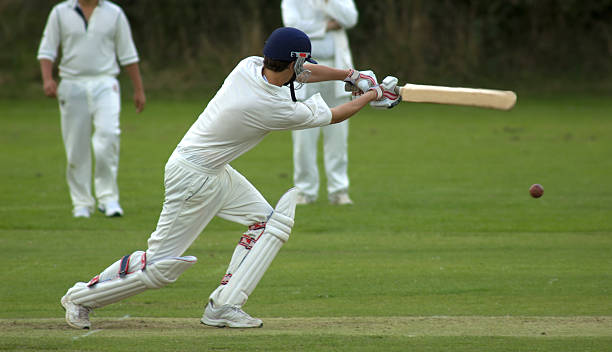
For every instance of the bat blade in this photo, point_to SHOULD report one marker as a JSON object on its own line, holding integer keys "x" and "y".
{"x": 484, "y": 98}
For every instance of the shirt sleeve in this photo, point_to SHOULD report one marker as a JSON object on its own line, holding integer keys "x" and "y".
{"x": 292, "y": 17}
{"x": 126, "y": 50}
{"x": 313, "y": 112}
{"x": 343, "y": 11}
{"x": 51, "y": 37}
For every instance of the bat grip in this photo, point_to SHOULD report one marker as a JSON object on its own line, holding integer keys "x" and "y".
{"x": 350, "y": 87}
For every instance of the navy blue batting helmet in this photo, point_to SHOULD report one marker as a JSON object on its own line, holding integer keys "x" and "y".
{"x": 287, "y": 44}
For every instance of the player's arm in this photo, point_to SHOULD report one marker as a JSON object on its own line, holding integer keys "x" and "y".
{"x": 133, "y": 71}
{"x": 321, "y": 73}
{"x": 346, "y": 110}
{"x": 49, "y": 84}
{"x": 343, "y": 13}
{"x": 364, "y": 80}
{"x": 382, "y": 96}
{"x": 128, "y": 58}
{"x": 47, "y": 53}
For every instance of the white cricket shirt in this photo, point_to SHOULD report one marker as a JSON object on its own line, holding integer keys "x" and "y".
{"x": 311, "y": 16}
{"x": 243, "y": 112}
{"x": 88, "y": 48}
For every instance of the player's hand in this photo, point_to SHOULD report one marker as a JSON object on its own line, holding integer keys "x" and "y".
{"x": 50, "y": 88}
{"x": 139, "y": 101}
{"x": 333, "y": 25}
{"x": 360, "y": 81}
{"x": 387, "y": 94}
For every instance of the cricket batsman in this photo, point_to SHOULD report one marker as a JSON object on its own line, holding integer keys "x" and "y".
{"x": 256, "y": 98}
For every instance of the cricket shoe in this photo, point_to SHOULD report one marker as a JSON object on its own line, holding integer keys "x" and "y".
{"x": 80, "y": 212}
{"x": 111, "y": 209}
{"x": 77, "y": 316}
{"x": 340, "y": 198}
{"x": 230, "y": 316}
{"x": 304, "y": 199}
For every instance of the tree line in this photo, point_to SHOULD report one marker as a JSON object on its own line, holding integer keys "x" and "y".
{"x": 495, "y": 42}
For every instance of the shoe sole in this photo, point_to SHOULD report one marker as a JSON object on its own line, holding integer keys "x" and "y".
{"x": 68, "y": 321}
{"x": 116, "y": 214}
{"x": 81, "y": 216}
{"x": 337, "y": 202}
{"x": 225, "y": 324}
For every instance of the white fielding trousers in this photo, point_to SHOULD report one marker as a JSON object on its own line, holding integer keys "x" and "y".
{"x": 86, "y": 105}
{"x": 335, "y": 148}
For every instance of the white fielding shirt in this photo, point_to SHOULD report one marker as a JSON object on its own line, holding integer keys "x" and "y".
{"x": 242, "y": 113}
{"x": 88, "y": 49}
{"x": 311, "y": 16}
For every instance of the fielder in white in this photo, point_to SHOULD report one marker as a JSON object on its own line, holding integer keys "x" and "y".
{"x": 93, "y": 35}
{"x": 200, "y": 183}
{"x": 325, "y": 22}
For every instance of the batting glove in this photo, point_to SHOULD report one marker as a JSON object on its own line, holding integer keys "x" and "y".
{"x": 359, "y": 81}
{"x": 387, "y": 94}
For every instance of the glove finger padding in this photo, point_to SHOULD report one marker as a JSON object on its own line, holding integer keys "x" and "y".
{"x": 367, "y": 79}
{"x": 350, "y": 87}
{"x": 379, "y": 91}
{"x": 360, "y": 81}
{"x": 390, "y": 94}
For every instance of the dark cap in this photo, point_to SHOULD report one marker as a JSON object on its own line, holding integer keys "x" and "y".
{"x": 287, "y": 44}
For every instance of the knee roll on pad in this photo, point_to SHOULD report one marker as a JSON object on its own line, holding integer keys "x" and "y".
{"x": 156, "y": 274}
{"x": 165, "y": 271}
{"x": 280, "y": 226}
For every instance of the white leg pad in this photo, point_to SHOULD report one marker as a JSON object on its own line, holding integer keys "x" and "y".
{"x": 248, "y": 274}
{"x": 155, "y": 275}
{"x": 248, "y": 239}
{"x": 166, "y": 270}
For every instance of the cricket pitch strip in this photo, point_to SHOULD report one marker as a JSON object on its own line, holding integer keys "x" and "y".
{"x": 525, "y": 326}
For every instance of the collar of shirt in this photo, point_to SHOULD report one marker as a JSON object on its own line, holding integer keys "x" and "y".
{"x": 262, "y": 81}
{"x": 75, "y": 3}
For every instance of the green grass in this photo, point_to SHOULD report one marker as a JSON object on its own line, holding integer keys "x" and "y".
{"x": 444, "y": 249}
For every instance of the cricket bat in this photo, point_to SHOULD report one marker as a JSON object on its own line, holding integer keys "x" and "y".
{"x": 482, "y": 98}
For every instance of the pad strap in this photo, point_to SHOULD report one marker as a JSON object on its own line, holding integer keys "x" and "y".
{"x": 158, "y": 274}
{"x": 123, "y": 267}
{"x": 257, "y": 226}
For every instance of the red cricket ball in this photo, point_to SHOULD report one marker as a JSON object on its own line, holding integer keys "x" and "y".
{"x": 536, "y": 190}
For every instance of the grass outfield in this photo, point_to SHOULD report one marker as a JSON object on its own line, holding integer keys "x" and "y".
{"x": 444, "y": 249}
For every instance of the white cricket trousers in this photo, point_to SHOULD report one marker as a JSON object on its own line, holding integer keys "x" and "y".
{"x": 193, "y": 196}
{"x": 87, "y": 104}
{"x": 335, "y": 148}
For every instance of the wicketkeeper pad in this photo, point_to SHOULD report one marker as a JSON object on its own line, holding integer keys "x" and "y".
{"x": 248, "y": 274}
{"x": 127, "y": 277}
